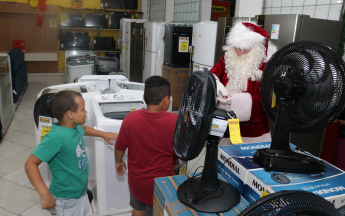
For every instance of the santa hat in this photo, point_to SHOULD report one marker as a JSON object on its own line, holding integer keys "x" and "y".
{"x": 245, "y": 35}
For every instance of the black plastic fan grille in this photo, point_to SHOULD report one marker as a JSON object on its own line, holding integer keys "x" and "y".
{"x": 43, "y": 107}
{"x": 321, "y": 70}
{"x": 195, "y": 115}
{"x": 291, "y": 203}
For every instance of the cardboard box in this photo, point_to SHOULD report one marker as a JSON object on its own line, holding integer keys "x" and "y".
{"x": 238, "y": 168}
{"x": 177, "y": 78}
{"x": 165, "y": 201}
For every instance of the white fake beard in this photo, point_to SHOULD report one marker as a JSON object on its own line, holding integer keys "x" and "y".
{"x": 241, "y": 68}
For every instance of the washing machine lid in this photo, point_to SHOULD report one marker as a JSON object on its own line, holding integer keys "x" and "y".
{"x": 118, "y": 86}
{"x": 70, "y": 53}
{"x": 81, "y": 87}
{"x": 118, "y": 106}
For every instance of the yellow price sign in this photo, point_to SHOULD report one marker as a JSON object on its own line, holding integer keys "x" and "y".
{"x": 64, "y": 18}
{"x": 234, "y": 130}
{"x": 264, "y": 193}
{"x": 274, "y": 100}
{"x": 44, "y": 131}
{"x": 184, "y": 46}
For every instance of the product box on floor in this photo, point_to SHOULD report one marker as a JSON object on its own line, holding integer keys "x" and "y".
{"x": 165, "y": 201}
{"x": 238, "y": 168}
{"x": 177, "y": 78}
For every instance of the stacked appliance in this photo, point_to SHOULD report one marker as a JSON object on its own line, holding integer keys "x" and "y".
{"x": 204, "y": 43}
{"x": 110, "y": 191}
{"x": 106, "y": 65}
{"x": 96, "y": 20}
{"x": 73, "y": 20}
{"x": 88, "y": 91}
{"x": 154, "y": 49}
{"x": 285, "y": 29}
{"x": 74, "y": 40}
{"x": 6, "y": 95}
{"x": 126, "y": 32}
{"x": 78, "y": 63}
{"x": 178, "y": 39}
{"x": 136, "y": 51}
{"x": 224, "y": 26}
{"x": 104, "y": 43}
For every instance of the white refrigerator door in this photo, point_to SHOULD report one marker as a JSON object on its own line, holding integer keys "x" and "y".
{"x": 150, "y": 36}
{"x": 149, "y": 67}
{"x": 127, "y": 48}
{"x": 204, "y": 41}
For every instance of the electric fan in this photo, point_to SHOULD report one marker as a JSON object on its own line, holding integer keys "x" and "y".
{"x": 43, "y": 107}
{"x": 291, "y": 203}
{"x": 193, "y": 128}
{"x": 302, "y": 88}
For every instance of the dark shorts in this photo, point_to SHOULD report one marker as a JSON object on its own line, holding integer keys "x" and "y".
{"x": 137, "y": 205}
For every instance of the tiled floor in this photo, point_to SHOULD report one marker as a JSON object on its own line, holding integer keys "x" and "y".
{"x": 17, "y": 196}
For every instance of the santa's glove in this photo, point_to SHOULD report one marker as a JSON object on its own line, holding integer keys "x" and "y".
{"x": 222, "y": 93}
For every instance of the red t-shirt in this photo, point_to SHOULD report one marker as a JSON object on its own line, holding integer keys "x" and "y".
{"x": 149, "y": 137}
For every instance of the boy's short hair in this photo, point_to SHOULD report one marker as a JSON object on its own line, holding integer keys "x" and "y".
{"x": 156, "y": 88}
{"x": 64, "y": 101}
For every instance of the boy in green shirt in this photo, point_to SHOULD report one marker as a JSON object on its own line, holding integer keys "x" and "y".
{"x": 63, "y": 148}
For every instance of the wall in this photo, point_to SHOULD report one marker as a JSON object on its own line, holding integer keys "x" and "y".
{"x": 248, "y": 8}
{"x": 169, "y": 11}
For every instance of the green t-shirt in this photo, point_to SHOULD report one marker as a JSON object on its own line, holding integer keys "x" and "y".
{"x": 63, "y": 149}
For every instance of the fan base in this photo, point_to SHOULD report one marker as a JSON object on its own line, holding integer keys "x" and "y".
{"x": 292, "y": 162}
{"x": 208, "y": 201}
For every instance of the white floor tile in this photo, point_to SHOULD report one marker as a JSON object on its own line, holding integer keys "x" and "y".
{"x": 10, "y": 130}
{"x": 5, "y": 142}
{"x": 12, "y": 149}
{"x": 29, "y": 141}
{"x": 8, "y": 165}
{"x": 2, "y": 158}
{"x": 21, "y": 116}
{"x": 27, "y": 128}
{"x": 23, "y": 156}
{"x": 19, "y": 176}
{"x": 29, "y": 185}
{"x": 36, "y": 210}
{"x": 4, "y": 212}
{"x": 20, "y": 200}
{"x": 7, "y": 187}
{"x": 12, "y": 137}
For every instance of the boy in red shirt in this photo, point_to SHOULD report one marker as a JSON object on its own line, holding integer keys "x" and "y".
{"x": 148, "y": 135}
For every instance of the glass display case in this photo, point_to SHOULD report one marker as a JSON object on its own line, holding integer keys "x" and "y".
{"x": 6, "y": 97}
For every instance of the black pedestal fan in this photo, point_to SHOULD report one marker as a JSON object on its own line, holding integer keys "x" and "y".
{"x": 302, "y": 88}
{"x": 193, "y": 128}
{"x": 43, "y": 107}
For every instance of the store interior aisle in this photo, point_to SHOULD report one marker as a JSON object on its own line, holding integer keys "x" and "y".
{"x": 17, "y": 195}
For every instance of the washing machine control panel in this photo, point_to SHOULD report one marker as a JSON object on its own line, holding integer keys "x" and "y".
{"x": 118, "y": 97}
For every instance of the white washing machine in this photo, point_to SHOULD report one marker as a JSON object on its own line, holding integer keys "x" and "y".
{"x": 78, "y": 63}
{"x": 88, "y": 91}
{"x": 110, "y": 191}
{"x": 104, "y": 81}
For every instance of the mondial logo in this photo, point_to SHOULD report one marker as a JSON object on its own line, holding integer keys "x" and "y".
{"x": 218, "y": 9}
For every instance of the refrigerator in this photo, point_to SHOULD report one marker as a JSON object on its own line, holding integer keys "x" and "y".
{"x": 204, "y": 44}
{"x": 288, "y": 28}
{"x": 122, "y": 42}
{"x": 136, "y": 51}
{"x": 153, "y": 49}
{"x": 223, "y": 28}
{"x": 285, "y": 29}
{"x": 178, "y": 39}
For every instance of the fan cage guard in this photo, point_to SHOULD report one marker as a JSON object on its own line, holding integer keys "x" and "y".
{"x": 192, "y": 127}
{"x": 323, "y": 71}
{"x": 296, "y": 203}
{"x": 43, "y": 107}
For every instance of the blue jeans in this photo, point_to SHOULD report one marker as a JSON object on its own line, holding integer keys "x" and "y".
{"x": 72, "y": 207}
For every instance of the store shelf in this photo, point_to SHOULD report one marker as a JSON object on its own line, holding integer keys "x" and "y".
{"x": 88, "y": 28}
{"x": 92, "y": 50}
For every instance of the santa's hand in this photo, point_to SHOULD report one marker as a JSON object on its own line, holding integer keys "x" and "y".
{"x": 224, "y": 99}
{"x": 221, "y": 90}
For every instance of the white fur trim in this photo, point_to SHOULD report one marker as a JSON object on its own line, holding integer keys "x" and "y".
{"x": 246, "y": 140}
{"x": 242, "y": 105}
{"x": 270, "y": 51}
{"x": 243, "y": 38}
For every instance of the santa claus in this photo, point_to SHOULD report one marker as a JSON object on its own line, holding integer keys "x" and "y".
{"x": 240, "y": 69}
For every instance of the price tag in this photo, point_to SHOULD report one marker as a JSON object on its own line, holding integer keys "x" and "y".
{"x": 234, "y": 130}
{"x": 133, "y": 109}
{"x": 274, "y": 100}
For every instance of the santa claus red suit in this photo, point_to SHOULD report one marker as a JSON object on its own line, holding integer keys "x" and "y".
{"x": 247, "y": 50}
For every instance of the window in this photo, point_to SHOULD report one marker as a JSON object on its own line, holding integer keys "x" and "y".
{"x": 186, "y": 11}
{"x": 157, "y": 10}
{"x": 321, "y": 9}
